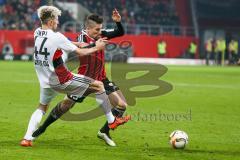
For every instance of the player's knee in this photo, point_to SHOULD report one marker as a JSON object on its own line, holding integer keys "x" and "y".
{"x": 67, "y": 103}
{"x": 101, "y": 87}
{"x": 98, "y": 85}
{"x": 122, "y": 104}
{"x": 42, "y": 107}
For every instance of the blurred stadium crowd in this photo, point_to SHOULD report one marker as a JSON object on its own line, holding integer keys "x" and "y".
{"x": 175, "y": 28}
{"x": 21, "y": 14}
{"x": 134, "y": 11}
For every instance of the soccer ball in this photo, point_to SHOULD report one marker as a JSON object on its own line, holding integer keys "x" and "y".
{"x": 178, "y": 139}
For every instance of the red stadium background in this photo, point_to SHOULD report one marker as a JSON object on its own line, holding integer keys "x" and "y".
{"x": 143, "y": 45}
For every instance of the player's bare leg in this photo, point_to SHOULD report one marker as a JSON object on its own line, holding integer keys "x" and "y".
{"x": 61, "y": 108}
{"x": 117, "y": 99}
{"x": 119, "y": 102}
{"x": 67, "y": 104}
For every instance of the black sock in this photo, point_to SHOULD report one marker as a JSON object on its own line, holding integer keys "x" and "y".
{"x": 55, "y": 114}
{"x": 52, "y": 117}
{"x": 105, "y": 128}
{"x": 117, "y": 112}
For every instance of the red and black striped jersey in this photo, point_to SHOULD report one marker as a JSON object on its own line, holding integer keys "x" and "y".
{"x": 93, "y": 65}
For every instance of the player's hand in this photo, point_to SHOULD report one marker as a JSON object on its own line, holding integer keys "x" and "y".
{"x": 100, "y": 43}
{"x": 82, "y": 44}
{"x": 78, "y": 44}
{"x": 116, "y": 17}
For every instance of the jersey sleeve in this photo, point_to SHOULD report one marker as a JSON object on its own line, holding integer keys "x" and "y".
{"x": 112, "y": 33}
{"x": 65, "y": 44}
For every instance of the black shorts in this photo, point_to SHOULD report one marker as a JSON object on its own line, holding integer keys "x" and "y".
{"x": 109, "y": 86}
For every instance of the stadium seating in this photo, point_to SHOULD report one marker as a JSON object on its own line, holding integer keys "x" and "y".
{"x": 137, "y": 11}
{"x": 21, "y": 15}
{"x": 214, "y": 9}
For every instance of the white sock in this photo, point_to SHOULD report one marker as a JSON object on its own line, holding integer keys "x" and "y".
{"x": 103, "y": 101}
{"x": 110, "y": 117}
{"x": 33, "y": 124}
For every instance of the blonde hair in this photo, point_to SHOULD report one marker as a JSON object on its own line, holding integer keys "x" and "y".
{"x": 45, "y": 13}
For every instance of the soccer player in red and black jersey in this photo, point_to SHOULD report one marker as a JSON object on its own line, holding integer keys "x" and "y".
{"x": 93, "y": 65}
{"x": 52, "y": 74}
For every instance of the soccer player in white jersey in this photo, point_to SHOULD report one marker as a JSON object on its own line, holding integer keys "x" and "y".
{"x": 55, "y": 78}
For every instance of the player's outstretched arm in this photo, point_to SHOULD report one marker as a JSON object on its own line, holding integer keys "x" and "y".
{"x": 118, "y": 30}
{"x": 78, "y": 44}
{"x": 116, "y": 17}
{"x": 99, "y": 45}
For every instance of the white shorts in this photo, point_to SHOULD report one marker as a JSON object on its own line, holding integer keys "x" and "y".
{"x": 46, "y": 95}
{"x": 76, "y": 86}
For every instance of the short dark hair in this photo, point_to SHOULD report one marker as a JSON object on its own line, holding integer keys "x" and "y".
{"x": 93, "y": 18}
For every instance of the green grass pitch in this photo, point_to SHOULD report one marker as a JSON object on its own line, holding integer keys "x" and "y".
{"x": 209, "y": 96}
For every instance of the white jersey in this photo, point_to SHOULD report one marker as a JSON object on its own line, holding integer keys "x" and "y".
{"x": 49, "y": 66}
